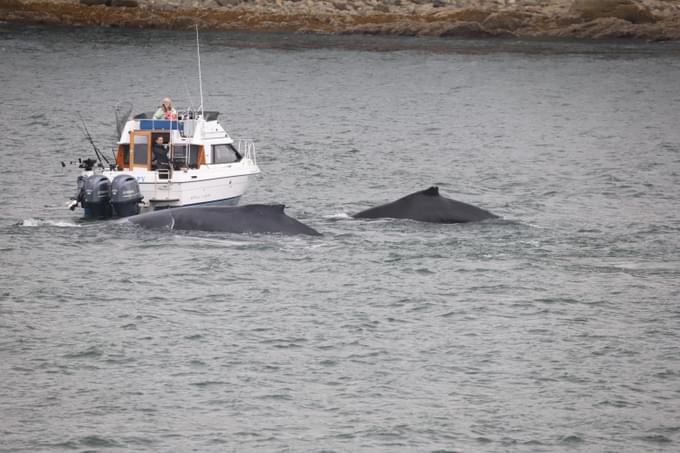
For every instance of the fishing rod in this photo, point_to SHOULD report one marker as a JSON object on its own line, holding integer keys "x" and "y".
{"x": 98, "y": 153}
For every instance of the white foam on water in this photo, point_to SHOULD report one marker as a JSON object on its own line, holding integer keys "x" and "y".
{"x": 338, "y": 216}
{"x": 33, "y": 222}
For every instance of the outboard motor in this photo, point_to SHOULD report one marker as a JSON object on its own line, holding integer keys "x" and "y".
{"x": 97, "y": 193}
{"x": 125, "y": 195}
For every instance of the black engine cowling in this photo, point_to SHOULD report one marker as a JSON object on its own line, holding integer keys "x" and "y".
{"x": 96, "y": 195}
{"x": 125, "y": 195}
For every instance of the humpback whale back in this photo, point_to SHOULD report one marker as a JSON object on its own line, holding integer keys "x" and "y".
{"x": 255, "y": 218}
{"x": 427, "y": 206}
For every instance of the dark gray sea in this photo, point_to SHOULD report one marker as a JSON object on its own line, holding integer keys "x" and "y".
{"x": 553, "y": 329}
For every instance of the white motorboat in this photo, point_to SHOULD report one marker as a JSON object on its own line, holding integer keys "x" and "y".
{"x": 198, "y": 163}
{"x": 204, "y": 165}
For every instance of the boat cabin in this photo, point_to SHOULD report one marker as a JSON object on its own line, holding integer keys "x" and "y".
{"x": 189, "y": 145}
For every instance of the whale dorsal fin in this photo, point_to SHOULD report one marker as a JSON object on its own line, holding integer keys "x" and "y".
{"x": 432, "y": 191}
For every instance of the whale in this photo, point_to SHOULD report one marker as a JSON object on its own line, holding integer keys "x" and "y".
{"x": 427, "y": 206}
{"x": 245, "y": 219}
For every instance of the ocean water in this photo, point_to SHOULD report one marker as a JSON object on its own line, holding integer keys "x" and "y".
{"x": 555, "y": 328}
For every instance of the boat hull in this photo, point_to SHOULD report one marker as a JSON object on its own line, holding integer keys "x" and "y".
{"x": 197, "y": 187}
{"x": 171, "y": 194}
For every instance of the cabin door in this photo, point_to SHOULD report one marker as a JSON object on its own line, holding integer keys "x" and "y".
{"x": 140, "y": 145}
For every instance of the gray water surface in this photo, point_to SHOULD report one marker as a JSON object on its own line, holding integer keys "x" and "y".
{"x": 552, "y": 329}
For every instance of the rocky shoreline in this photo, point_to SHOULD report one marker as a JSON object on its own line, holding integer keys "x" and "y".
{"x": 651, "y": 20}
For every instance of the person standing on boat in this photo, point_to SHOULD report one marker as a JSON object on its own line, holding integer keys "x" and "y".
{"x": 166, "y": 111}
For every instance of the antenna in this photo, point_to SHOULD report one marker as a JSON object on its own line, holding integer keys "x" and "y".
{"x": 200, "y": 79}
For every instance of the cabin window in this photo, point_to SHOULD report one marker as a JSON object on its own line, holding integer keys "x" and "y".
{"x": 179, "y": 156}
{"x": 141, "y": 149}
{"x": 224, "y": 154}
{"x": 123, "y": 156}
{"x": 194, "y": 151}
{"x": 183, "y": 156}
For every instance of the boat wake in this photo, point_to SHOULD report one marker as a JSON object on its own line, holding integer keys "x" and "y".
{"x": 37, "y": 222}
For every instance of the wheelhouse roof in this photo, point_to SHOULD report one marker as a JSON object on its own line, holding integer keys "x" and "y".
{"x": 207, "y": 115}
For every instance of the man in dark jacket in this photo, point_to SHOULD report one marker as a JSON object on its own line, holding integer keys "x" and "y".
{"x": 159, "y": 154}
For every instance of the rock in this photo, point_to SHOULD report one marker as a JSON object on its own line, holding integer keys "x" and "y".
{"x": 125, "y": 3}
{"x": 505, "y": 20}
{"x": 609, "y": 28}
{"x": 183, "y": 22}
{"x": 615, "y": 28}
{"x": 463, "y": 15}
{"x": 627, "y": 10}
{"x": 95, "y": 2}
{"x": 464, "y": 29}
{"x": 596, "y": 19}
{"x": 340, "y": 6}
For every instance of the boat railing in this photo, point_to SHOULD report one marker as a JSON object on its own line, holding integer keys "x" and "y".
{"x": 246, "y": 148}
